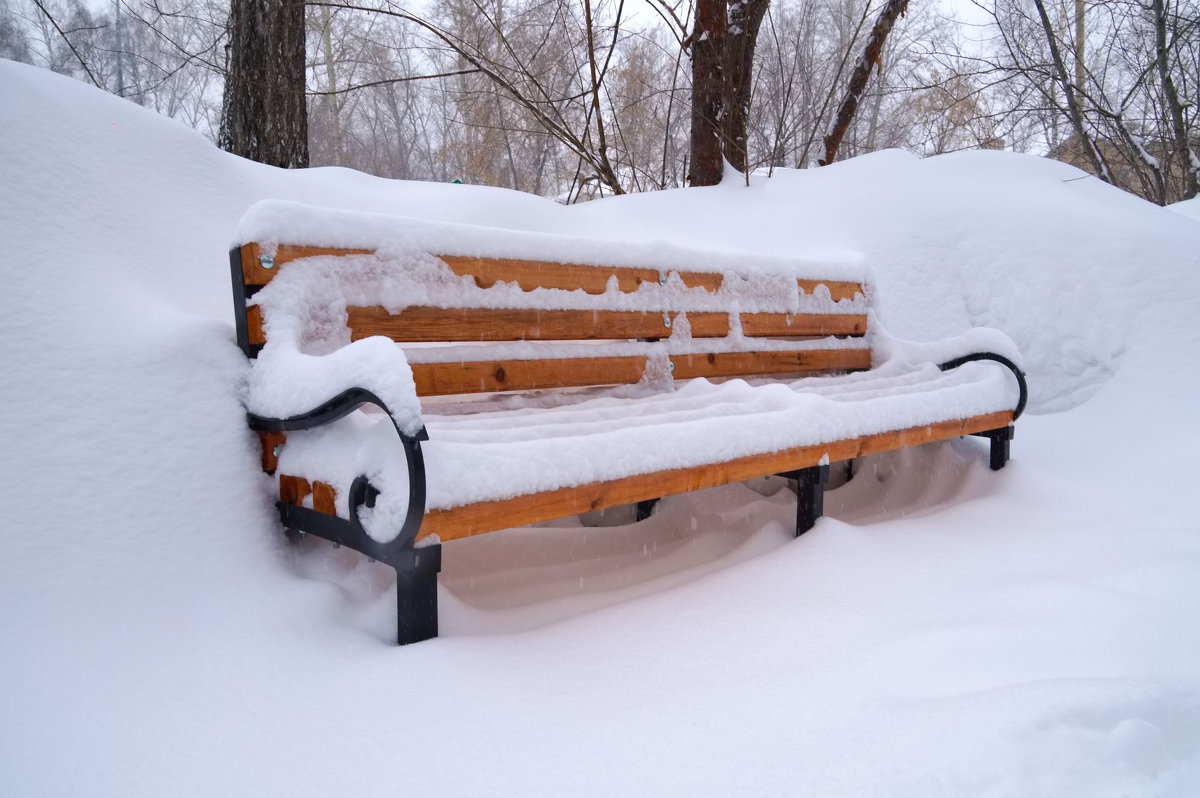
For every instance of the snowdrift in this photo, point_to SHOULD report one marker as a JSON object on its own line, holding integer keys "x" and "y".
{"x": 944, "y": 631}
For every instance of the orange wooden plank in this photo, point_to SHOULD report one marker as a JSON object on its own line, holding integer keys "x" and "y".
{"x": 425, "y": 324}
{"x": 255, "y": 274}
{"x": 528, "y": 274}
{"x": 293, "y": 490}
{"x": 475, "y": 519}
{"x": 428, "y": 324}
{"x": 269, "y": 440}
{"x": 531, "y": 274}
{"x": 254, "y": 325}
{"x": 838, "y": 289}
{"x": 439, "y": 379}
{"x": 748, "y": 364}
{"x": 786, "y": 325}
{"x": 324, "y": 495}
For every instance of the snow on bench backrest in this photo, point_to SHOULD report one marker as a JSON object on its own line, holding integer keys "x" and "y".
{"x": 475, "y": 307}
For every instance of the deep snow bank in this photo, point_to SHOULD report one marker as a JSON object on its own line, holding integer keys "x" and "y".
{"x": 945, "y": 631}
{"x": 1189, "y": 208}
{"x": 1071, "y": 268}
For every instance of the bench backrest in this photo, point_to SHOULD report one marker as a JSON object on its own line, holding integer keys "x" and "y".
{"x": 524, "y": 345}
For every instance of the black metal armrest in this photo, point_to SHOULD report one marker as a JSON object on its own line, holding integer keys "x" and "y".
{"x": 1022, "y": 385}
{"x": 349, "y": 532}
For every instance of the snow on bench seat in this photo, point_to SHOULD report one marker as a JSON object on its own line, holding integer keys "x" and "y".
{"x": 582, "y": 450}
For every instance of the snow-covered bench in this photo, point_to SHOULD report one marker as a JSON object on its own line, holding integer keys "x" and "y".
{"x": 539, "y": 376}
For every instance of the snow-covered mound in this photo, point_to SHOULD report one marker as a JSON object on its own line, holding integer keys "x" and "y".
{"x": 943, "y": 631}
{"x": 1189, "y": 208}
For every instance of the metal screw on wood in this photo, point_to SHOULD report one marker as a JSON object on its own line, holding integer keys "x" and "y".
{"x": 276, "y": 449}
{"x": 266, "y": 261}
{"x": 666, "y": 320}
{"x": 671, "y": 364}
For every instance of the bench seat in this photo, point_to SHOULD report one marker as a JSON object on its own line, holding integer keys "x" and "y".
{"x": 603, "y": 440}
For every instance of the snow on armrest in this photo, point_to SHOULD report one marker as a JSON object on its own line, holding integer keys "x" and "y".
{"x": 286, "y": 382}
{"x": 897, "y": 351}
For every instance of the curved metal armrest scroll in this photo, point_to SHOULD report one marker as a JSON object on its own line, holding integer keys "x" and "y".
{"x": 350, "y": 532}
{"x": 1022, "y": 385}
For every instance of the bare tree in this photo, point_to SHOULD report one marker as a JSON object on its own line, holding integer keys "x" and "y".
{"x": 1189, "y": 164}
{"x": 84, "y": 24}
{"x": 538, "y": 57}
{"x": 860, "y": 76}
{"x": 1127, "y": 102}
{"x": 1074, "y": 111}
{"x": 723, "y": 42}
{"x": 741, "y": 40}
{"x": 14, "y": 40}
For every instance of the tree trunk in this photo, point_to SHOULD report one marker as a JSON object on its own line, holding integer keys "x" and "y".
{"x": 862, "y": 73}
{"x": 331, "y": 99}
{"x": 1188, "y": 163}
{"x": 708, "y": 86}
{"x": 741, "y": 37}
{"x": 264, "y": 116}
{"x": 1076, "y": 113}
{"x": 1080, "y": 46}
{"x": 604, "y": 167}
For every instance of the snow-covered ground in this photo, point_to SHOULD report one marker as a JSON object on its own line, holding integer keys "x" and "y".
{"x": 945, "y": 630}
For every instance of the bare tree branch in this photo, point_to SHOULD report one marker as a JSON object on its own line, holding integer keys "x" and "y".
{"x": 74, "y": 52}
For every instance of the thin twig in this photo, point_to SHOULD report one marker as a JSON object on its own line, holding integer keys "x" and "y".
{"x": 75, "y": 52}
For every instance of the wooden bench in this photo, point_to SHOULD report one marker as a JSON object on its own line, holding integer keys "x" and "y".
{"x": 543, "y": 388}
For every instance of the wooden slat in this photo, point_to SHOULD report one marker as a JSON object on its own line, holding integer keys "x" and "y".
{"x": 252, "y": 273}
{"x": 787, "y": 325}
{"x": 528, "y": 274}
{"x": 255, "y": 275}
{"x": 254, "y": 325}
{"x": 474, "y": 519}
{"x": 838, "y": 289}
{"x": 292, "y": 490}
{"x": 269, "y": 440}
{"x": 441, "y": 379}
{"x": 747, "y": 364}
{"x": 426, "y": 324}
{"x": 324, "y": 495}
{"x": 531, "y": 274}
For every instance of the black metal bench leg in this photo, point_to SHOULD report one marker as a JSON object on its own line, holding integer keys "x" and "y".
{"x": 645, "y": 508}
{"x": 416, "y": 593}
{"x": 810, "y": 496}
{"x": 1000, "y": 445}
